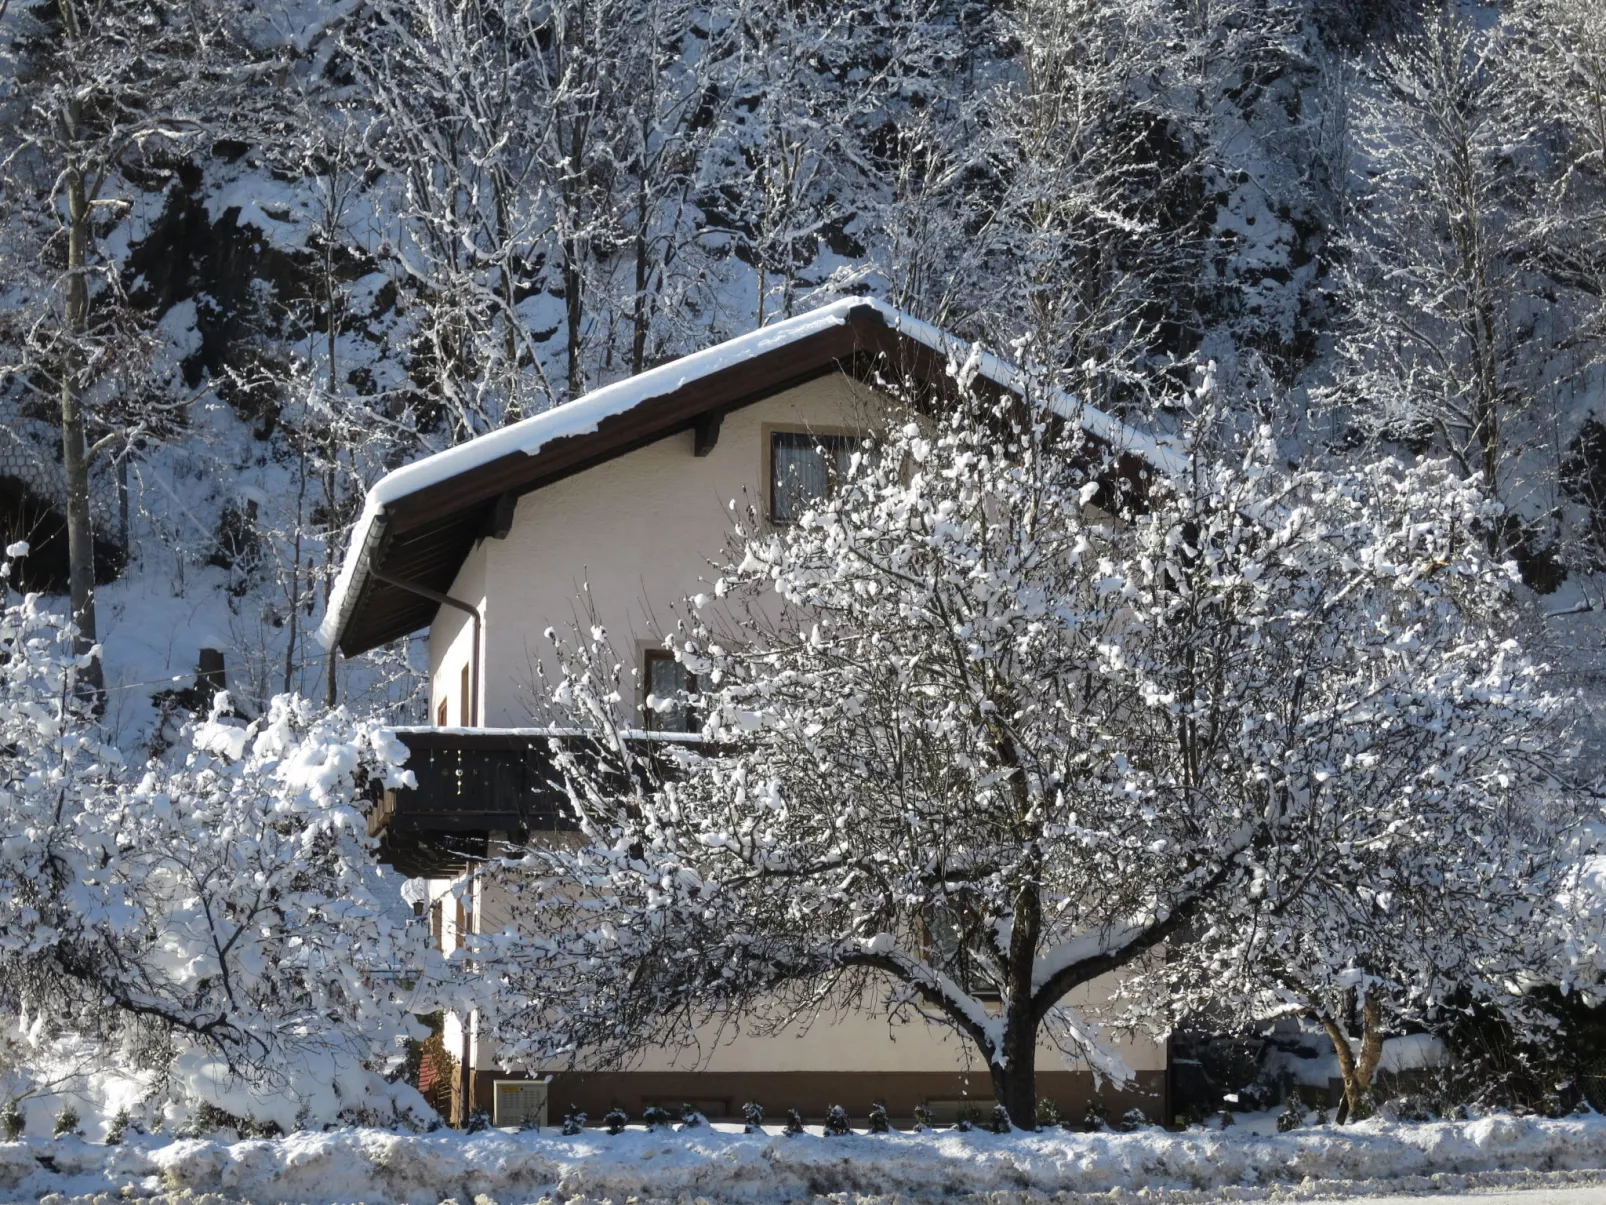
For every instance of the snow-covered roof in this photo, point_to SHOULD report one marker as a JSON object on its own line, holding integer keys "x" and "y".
{"x": 584, "y": 416}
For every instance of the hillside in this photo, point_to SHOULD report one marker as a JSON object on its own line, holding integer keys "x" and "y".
{"x": 320, "y": 239}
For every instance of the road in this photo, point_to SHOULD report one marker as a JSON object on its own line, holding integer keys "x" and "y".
{"x": 1561, "y": 1194}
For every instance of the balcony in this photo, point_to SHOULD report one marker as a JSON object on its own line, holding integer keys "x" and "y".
{"x": 475, "y": 785}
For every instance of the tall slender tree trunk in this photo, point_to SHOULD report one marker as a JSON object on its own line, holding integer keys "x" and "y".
{"x": 331, "y": 691}
{"x": 74, "y": 440}
{"x": 638, "y": 317}
{"x": 575, "y": 311}
{"x": 512, "y": 412}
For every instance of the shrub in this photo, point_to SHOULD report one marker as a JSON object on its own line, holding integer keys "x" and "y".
{"x": 616, "y": 1119}
{"x": 1134, "y": 1119}
{"x": 752, "y": 1118}
{"x": 794, "y": 1123}
{"x": 1413, "y": 1106}
{"x": 574, "y": 1122}
{"x": 836, "y": 1122}
{"x": 656, "y": 1118}
{"x": 1292, "y": 1116}
{"x": 119, "y": 1127}
{"x": 478, "y": 1121}
{"x": 1048, "y": 1113}
{"x": 12, "y": 1121}
{"x": 1000, "y": 1123}
{"x": 879, "y": 1122}
{"x": 690, "y": 1118}
{"x": 67, "y": 1123}
{"x": 1093, "y": 1117}
{"x": 922, "y": 1119}
{"x": 967, "y": 1119}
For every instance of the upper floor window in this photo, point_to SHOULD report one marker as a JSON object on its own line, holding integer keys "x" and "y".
{"x": 803, "y": 468}
{"x": 667, "y": 679}
{"x": 955, "y": 944}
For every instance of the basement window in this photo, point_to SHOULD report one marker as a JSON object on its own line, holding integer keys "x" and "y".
{"x": 804, "y": 468}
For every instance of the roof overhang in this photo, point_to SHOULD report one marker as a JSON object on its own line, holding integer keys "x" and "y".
{"x": 420, "y": 522}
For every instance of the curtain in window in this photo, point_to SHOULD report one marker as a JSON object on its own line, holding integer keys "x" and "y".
{"x": 802, "y": 465}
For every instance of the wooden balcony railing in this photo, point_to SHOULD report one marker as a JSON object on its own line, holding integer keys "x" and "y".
{"x": 475, "y": 785}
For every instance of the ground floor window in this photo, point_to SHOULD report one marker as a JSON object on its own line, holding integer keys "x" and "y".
{"x": 667, "y": 679}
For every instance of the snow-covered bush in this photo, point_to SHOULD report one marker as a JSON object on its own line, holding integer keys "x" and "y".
{"x": 998, "y": 717}
{"x": 216, "y": 917}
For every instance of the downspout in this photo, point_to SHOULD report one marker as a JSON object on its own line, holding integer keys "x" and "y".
{"x": 446, "y": 600}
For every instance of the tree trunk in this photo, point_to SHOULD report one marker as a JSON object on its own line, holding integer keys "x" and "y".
{"x": 1357, "y": 1071}
{"x": 75, "y": 444}
{"x": 573, "y": 313}
{"x": 1015, "y": 1083}
{"x": 511, "y": 410}
{"x": 638, "y": 317}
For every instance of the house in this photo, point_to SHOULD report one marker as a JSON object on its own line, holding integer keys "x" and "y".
{"x": 627, "y": 491}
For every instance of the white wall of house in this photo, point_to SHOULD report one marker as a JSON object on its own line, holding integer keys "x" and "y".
{"x": 841, "y": 1038}
{"x": 451, "y": 640}
{"x": 639, "y": 529}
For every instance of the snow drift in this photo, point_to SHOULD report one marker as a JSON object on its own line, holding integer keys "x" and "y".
{"x": 378, "y": 1166}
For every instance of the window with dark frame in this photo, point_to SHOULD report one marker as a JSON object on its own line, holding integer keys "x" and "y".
{"x": 803, "y": 469}
{"x": 953, "y": 944}
{"x": 666, "y": 678}
{"x": 440, "y": 714}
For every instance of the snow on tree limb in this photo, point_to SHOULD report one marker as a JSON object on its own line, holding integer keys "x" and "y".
{"x": 224, "y": 902}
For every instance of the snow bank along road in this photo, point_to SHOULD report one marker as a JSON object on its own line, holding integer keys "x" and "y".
{"x": 1490, "y": 1154}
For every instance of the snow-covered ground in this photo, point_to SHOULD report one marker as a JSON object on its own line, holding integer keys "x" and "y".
{"x": 718, "y": 1164}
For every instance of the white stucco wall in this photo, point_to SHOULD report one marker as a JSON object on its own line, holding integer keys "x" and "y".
{"x": 640, "y": 530}
{"x": 847, "y": 1039}
{"x": 451, "y": 638}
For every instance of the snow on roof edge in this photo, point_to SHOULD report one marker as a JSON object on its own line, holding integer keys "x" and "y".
{"x": 1091, "y": 419}
{"x": 583, "y": 416}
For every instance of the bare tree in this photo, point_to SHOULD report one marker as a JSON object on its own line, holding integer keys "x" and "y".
{"x": 99, "y": 85}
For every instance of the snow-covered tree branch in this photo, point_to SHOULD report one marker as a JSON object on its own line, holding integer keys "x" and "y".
{"x": 224, "y": 901}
